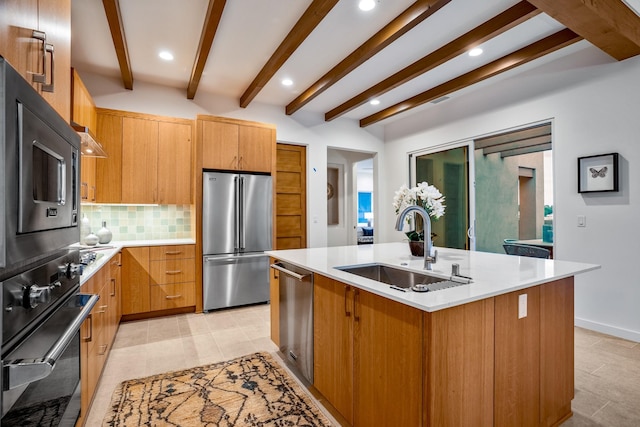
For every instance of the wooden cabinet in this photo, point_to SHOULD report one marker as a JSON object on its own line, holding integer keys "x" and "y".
{"x": 135, "y": 280}
{"x": 274, "y": 302}
{"x": 150, "y": 158}
{"x": 109, "y": 170}
{"x": 158, "y": 278}
{"x": 363, "y": 344}
{"x": 51, "y": 19}
{"x": 98, "y": 331}
{"x": 229, "y": 144}
{"x": 83, "y": 112}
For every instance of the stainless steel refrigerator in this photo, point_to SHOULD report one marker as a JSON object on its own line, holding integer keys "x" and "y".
{"x": 236, "y": 230}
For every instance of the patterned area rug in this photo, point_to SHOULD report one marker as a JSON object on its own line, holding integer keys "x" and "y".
{"x": 252, "y": 390}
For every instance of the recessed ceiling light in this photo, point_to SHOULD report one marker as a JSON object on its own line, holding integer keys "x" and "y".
{"x": 476, "y": 51}
{"x": 166, "y": 55}
{"x": 374, "y": 102}
{"x": 287, "y": 82}
{"x": 366, "y": 5}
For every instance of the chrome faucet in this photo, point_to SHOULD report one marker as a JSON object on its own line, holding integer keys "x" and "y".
{"x": 426, "y": 219}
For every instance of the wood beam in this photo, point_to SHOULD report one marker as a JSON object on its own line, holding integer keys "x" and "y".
{"x": 516, "y": 145}
{"x": 608, "y": 24}
{"x": 209, "y": 29}
{"x": 511, "y": 136}
{"x": 533, "y": 51}
{"x": 314, "y": 14}
{"x": 404, "y": 22}
{"x": 114, "y": 18}
{"x": 497, "y": 25}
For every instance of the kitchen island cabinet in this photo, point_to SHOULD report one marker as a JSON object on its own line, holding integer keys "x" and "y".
{"x": 497, "y": 351}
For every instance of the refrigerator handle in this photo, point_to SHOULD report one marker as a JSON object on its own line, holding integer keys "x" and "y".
{"x": 236, "y": 211}
{"x": 241, "y": 242}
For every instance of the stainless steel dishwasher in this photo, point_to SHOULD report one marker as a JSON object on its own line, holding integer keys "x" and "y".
{"x": 296, "y": 317}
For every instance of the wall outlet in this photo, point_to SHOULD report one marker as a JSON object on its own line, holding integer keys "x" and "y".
{"x": 522, "y": 306}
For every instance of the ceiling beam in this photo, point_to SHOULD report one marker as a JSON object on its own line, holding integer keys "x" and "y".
{"x": 497, "y": 25}
{"x": 314, "y": 14}
{"x": 533, "y": 51}
{"x": 511, "y": 136}
{"x": 404, "y": 22}
{"x": 608, "y": 24}
{"x": 209, "y": 29}
{"x": 516, "y": 145}
{"x": 114, "y": 18}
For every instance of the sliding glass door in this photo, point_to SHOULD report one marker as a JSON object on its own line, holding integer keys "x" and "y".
{"x": 451, "y": 172}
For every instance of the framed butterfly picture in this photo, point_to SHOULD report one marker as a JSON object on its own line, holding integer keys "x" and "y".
{"x": 598, "y": 173}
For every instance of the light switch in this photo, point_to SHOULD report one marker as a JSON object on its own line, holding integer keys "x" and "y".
{"x": 582, "y": 221}
{"x": 522, "y": 306}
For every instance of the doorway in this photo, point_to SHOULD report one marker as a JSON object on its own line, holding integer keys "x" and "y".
{"x": 356, "y": 200}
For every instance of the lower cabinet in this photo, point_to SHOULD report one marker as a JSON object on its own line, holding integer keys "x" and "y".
{"x": 158, "y": 278}
{"x": 367, "y": 355}
{"x": 485, "y": 363}
{"x": 274, "y": 298}
{"x": 98, "y": 331}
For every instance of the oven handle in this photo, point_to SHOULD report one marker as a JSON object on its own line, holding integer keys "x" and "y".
{"x": 24, "y": 371}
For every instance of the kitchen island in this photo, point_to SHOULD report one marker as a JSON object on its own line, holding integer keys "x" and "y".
{"x": 497, "y": 351}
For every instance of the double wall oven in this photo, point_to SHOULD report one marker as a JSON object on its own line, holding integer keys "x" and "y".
{"x": 42, "y": 308}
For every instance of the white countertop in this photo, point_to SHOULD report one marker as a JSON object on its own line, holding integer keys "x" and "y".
{"x": 107, "y": 251}
{"x": 492, "y": 274}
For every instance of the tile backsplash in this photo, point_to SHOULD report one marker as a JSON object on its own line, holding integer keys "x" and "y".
{"x": 142, "y": 222}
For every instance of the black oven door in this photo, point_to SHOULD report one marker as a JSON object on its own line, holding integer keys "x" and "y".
{"x": 48, "y": 176}
{"x": 34, "y": 393}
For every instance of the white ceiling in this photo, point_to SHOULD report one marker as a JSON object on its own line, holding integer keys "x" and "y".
{"x": 251, "y": 30}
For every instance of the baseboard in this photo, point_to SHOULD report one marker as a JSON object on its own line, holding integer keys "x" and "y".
{"x": 608, "y": 329}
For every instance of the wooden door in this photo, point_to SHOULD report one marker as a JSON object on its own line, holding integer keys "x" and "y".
{"x": 109, "y": 170}
{"x": 274, "y": 298}
{"x": 139, "y": 160}
{"x": 333, "y": 343}
{"x": 556, "y": 351}
{"x": 255, "y": 148}
{"x": 459, "y": 370}
{"x": 517, "y": 360}
{"x": 291, "y": 197}
{"x": 55, "y": 21}
{"x": 18, "y": 18}
{"x": 388, "y": 362}
{"x": 87, "y": 179}
{"x": 219, "y": 145}
{"x": 135, "y": 280}
{"x": 174, "y": 163}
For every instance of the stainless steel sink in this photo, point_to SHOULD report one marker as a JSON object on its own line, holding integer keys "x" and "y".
{"x": 399, "y": 278}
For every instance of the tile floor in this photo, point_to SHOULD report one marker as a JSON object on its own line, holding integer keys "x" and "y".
{"x": 607, "y": 369}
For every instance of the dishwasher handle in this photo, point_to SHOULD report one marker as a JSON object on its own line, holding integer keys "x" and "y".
{"x": 278, "y": 266}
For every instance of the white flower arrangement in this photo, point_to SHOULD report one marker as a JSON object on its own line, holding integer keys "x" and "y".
{"x": 424, "y": 195}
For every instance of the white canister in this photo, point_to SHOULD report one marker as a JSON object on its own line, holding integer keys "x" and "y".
{"x": 85, "y": 229}
{"x": 104, "y": 234}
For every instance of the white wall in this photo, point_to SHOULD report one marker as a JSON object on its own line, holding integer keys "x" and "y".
{"x": 595, "y": 109}
{"x": 300, "y": 128}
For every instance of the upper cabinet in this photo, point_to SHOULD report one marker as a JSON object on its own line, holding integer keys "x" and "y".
{"x": 83, "y": 112}
{"x": 35, "y": 37}
{"x": 230, "y": 144}
{"x": 149, "y": 158}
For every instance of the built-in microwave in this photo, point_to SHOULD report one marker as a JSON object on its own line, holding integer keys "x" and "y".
{"x": 39, "y": 152}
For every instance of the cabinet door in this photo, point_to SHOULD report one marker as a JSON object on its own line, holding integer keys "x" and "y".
{"x": 18, "y": 18}
{"x": 135, "y": 280}
{"x": 255, "y": 148}
{"x": 274, "y": 302}
{"x": 139, "y": 160}
{"x": 556, "y": 351}
{"x": 175, "y": 295}
{"x": 55, "y": 21}
{"x": 333, "y": 343}
{"x": 219, "y": 145}
{"x": 388, "y": 362}
{"x": 174, "y": 163}
{"x": 517, "y": 360}
{"x": 109, "y": 170}
{"x": 88, "y": 179}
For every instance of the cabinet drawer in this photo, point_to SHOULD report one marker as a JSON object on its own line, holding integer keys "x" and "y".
{"x": 176, "y": 295}
{"x": 172, "y": 252}
{"x": 172, "y": 271}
